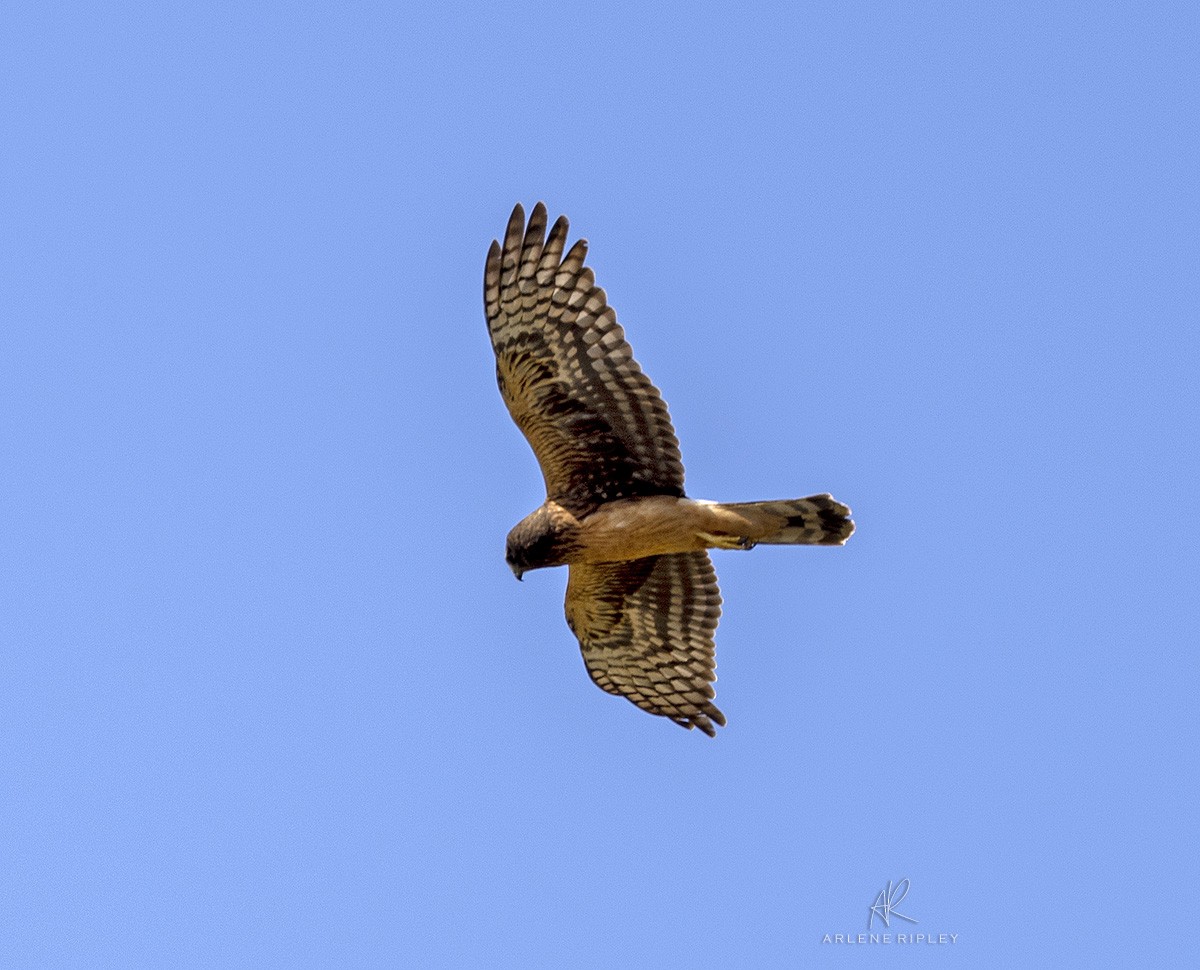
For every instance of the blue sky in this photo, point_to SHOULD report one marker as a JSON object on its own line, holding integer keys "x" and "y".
{"x": 270, "y": 696}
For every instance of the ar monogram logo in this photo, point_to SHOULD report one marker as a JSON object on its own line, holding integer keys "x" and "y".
{"x": 884, "y": 908}
{"x": 886, "y": 902}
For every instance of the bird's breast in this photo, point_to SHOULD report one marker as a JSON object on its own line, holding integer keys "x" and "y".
{"x": 638, "y": 527}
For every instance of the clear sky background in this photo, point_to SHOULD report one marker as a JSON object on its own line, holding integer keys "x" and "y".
{"x": 270, "y": 697}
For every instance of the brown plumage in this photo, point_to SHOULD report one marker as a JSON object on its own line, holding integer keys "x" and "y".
{"x": 642, "y": 595}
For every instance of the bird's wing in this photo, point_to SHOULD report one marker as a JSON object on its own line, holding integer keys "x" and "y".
{"x": 646, "y": 631}
{"x": 599, "y": 428}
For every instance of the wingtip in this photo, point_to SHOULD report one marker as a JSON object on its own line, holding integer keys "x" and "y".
{"x": 516, "y": 222}
{"x": 518, "y": 213}
{"x": 707, "y": 721}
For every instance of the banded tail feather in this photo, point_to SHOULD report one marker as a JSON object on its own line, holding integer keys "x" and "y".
{"x": 818, "y": 520}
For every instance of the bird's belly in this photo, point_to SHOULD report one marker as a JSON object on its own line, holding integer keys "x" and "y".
{"x": 639, "y": 527}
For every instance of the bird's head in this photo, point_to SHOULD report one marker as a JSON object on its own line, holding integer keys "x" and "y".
{"x": 543, "y": 538}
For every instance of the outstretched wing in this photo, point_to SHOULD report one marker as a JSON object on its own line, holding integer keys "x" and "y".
{"x": 646, "y": 631}
{"x": 599, "y": 428}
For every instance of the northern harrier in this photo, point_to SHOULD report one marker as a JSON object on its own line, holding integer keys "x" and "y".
{"x": 642, "y": 596}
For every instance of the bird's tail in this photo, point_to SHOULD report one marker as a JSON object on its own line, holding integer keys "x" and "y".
{"x": 819, "y": 520}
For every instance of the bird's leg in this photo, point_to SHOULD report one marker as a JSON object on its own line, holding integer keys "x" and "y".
{"x": 726, "y": 542}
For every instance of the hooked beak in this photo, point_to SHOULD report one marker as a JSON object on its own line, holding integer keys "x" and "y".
{"x": 516, "y": 571}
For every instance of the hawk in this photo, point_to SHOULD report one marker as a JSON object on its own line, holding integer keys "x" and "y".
{"x": 642, "y": 596}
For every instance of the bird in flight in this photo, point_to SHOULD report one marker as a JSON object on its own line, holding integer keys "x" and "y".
{"x": 642, "y": 596}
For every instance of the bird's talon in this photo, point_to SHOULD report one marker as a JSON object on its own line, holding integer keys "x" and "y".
{"x": 726, "y": 542}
